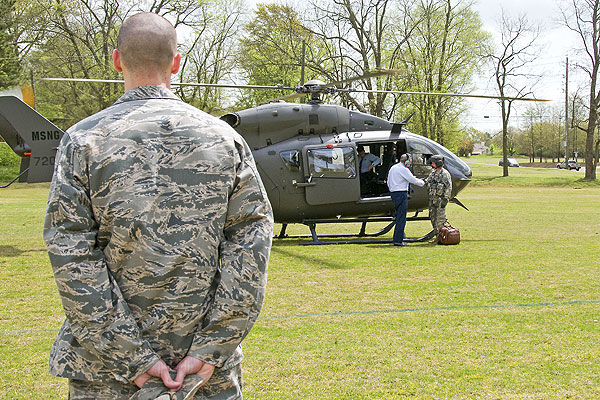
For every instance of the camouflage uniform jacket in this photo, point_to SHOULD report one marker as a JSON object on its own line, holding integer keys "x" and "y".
{"x": 439, "y": 184}
{"x": 158, "y": 230}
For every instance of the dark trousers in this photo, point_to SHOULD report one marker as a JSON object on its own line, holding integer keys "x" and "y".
{"x": 400, "y": 200}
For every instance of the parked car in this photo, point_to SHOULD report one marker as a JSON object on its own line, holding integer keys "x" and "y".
{"x": 511, "y": 162}
{"x": 571, "y": 164}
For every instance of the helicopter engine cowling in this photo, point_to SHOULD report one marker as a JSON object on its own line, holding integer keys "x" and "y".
{"x": 276, "y": 122}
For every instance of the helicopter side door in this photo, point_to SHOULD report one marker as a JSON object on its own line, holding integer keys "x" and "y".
{"x": 330, "y": 173}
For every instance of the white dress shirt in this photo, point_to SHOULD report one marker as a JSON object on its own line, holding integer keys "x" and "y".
{"x": 400, "y": 177}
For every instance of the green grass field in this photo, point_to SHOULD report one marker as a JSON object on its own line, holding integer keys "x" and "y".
{"x": 513, "y": 312}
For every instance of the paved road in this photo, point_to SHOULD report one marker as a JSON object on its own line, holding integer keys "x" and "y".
{"x": 478, "y": 163}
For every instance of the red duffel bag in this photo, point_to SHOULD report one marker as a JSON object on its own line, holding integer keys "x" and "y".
{"x": 448, "y": 235}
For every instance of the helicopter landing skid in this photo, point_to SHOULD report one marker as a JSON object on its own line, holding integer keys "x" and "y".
{"x": 312, "y": 225}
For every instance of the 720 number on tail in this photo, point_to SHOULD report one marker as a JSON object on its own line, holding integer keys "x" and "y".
{"x": 45, "y": 161}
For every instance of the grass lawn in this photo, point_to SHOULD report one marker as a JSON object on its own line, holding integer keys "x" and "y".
{"x": 511, "y": 313}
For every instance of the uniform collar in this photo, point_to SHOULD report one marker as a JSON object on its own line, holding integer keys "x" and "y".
{"x": 147, "y": 92}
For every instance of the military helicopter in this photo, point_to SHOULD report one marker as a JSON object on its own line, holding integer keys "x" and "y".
{"x": 306, "y": 154}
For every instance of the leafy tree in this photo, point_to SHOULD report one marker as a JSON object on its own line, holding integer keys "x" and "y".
{"x": 465, "y": 147}
{"x": 511, "y": 140}
{"x": 80, "y": 38}
{"x": 577, "y": 131}
{"x": 469, "y": 137}
{"x": 9, "y": 62}
{"x": 210, "y": 53}
{"x": 271, "y": 51}
{"x": 359, "y": 38}
{"x": 479, "y": 137}
{"x": 442, "y": 54}
{"x": 584, "y": 19}
{"x": 80, "y": 35}
{"x": 513, "y": 55}
{"x": 531, "y": 135}
{"x": 432, "y": 41}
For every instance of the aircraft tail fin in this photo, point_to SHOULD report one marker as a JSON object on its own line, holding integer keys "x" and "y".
{"x": 24, "y": 93}
{"x": 31, "y": 136}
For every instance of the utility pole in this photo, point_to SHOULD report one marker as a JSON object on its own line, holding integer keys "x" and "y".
{"x": 303, "y": 62}
{"x": 302, "y": 81}
{"x": 566, "y": 113}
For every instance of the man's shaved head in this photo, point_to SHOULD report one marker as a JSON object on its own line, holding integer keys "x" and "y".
{"x": 147, "y": 41}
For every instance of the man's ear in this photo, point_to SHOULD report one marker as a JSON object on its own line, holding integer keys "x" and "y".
{"x": 176, "y": 63}
{"x": 116, "y": 56}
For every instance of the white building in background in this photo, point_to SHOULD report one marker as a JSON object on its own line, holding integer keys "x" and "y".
{"x": 480, "y": 148}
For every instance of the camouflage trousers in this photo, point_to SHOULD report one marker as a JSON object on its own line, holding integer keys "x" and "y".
{"x": 225, "y": 384}
{"x": 437, "y": 215}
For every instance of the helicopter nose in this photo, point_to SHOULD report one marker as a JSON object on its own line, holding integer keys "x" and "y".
{"x": 460, "y": 169}
{"x": 460, "y": 185}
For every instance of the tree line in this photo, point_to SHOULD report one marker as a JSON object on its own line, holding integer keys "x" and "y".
{"x": 432, "y": 45}
{"x": 539, "y": 133}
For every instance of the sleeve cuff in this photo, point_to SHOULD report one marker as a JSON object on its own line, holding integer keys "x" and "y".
{"x": 142, "y": 360}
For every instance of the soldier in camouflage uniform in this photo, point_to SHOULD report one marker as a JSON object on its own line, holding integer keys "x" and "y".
{"x": 439, "y": 184}
{"x": 158, "y": 229}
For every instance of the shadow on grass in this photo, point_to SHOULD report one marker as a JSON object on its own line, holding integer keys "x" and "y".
{"x": 318, "y": 261}
{"x": 10, "y": 251}
{"x": 486, "y": 179}
{"x": 550, "y": 181}
{"x": 288, "y": 242}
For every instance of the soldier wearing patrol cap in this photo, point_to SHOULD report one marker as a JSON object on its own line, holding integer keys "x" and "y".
{"x": 158, "y": 229}
{"x": 439, "y": 185}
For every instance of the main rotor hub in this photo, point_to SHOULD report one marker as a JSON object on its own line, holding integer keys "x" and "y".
{"x": 315, "y": 88}
{"x": 314, "y": 85}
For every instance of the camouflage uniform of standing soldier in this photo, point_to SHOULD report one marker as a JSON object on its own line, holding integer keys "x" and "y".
{"x": 158, "y": 229}
{"x": 439, "y": 185}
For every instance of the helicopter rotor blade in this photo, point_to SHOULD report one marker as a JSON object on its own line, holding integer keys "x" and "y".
{"x": 233, "y": 86}
{"x": 216, "y": 85}
{"x": 332, "y": 87}
{"x": 328, "y": 88}
{"x": 446, "y": 94}
{"x": 82, "y": 80}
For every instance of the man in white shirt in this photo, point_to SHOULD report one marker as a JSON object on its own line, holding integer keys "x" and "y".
{"x": 398, "y": 182}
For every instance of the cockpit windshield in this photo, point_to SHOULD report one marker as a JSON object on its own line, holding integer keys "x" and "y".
{"x": 427, "y": 147}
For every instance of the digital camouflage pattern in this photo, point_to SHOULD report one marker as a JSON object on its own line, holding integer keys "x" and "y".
{"x": 439, "y": 185}
{"x": 158, "y": 229}
{"x": 224, "y": 384}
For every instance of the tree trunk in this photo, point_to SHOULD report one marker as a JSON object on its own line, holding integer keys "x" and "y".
{"x": 504, "y": 139}
{"x": 590, "y": 155}
{"x": 590, "y": 152}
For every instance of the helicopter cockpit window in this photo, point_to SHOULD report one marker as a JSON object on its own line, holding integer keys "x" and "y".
{"x": 335, "y": 162}
{"x": 420, "y": 152}
{"x": 420, "y": 165}
{"x": 418, "y": 147}
{"x": 291, "y": 159}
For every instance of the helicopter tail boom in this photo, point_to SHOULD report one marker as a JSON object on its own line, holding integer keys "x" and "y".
{"x": 31, "y": 136}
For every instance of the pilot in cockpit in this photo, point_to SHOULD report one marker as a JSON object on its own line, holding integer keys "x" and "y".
{"x": 368, "y": 177}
